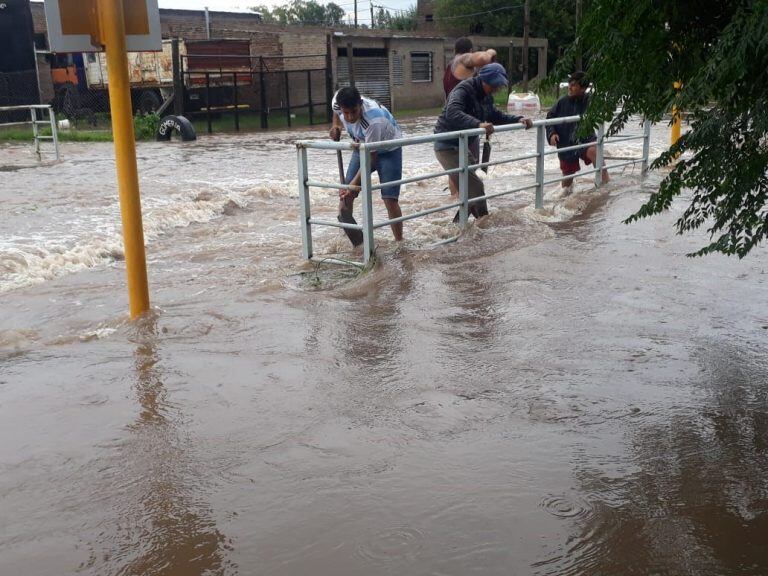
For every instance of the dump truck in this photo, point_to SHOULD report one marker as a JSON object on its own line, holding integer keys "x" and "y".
{"x": 80, "y": 80}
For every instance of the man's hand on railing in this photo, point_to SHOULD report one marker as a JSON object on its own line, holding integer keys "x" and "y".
{"x": 345, "y": 193}
{"x": 527, "y": 121}
{"x": 487, "y": 126}
{"x": 554, "y": 140}
{"x": 335, "y": 133}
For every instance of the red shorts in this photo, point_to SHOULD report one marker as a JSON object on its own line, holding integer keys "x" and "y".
{"x": 568, "y": 167}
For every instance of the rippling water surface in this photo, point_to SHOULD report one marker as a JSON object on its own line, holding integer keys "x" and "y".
{"x": 556, "y": 393}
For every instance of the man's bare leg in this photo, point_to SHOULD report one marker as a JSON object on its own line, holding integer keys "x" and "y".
{"x": 567, "y": 187}
{"x": 592, "y": 155}
{"x": 393, "y": 209}
{"x": 453, "y": 186}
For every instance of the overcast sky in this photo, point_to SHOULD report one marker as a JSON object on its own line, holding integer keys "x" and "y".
{"x": 363, "y": 6}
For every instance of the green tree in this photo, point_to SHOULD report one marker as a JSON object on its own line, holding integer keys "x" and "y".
{"x": 303, "y": 12}
{"x": 266, "y": 14}
{"x": 718, "y": 50}
{"x": 400, "y": 20}
{"x": 551, "y": 19}
{"x": 334, "y": 14}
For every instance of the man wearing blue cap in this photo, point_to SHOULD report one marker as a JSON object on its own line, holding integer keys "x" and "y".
{"x": 470, "y": 105}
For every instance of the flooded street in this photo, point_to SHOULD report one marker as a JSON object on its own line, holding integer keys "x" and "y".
{"x": 556, "y": 393}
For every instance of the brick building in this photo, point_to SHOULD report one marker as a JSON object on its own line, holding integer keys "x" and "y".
{"x": 403, "y": 71}
{"x": 425, "y": 16}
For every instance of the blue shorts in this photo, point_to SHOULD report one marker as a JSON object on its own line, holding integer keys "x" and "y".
{"x": 389, "y": 166}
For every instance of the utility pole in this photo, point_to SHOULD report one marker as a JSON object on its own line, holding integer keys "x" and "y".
{"x": 111, "y": 18}
{"x": 355, "y": 13}
{"x": 526, "y": 31}
{"x": 372, "y": 26}
{"x": 578, "y": 45}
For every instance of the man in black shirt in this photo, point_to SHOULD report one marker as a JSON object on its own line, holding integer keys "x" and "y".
{"x": 564, "y": 135}
{"x": 470, "y": 105}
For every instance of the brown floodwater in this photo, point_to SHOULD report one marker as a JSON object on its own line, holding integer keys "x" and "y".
{"x": 557, "y": 393}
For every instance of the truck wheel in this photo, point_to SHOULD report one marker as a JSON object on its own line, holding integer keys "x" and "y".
{"x": 177, "y": 124}
{"x": 148, "y": 102}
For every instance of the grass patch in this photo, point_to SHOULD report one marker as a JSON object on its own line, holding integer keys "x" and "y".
{"x": 548, "y": 99}
{"x": 277, "y": 120}
{"x": 25, "y": 135}
{"x": 251, "y": 121}
{"x": 411, "y": 112}
{"x": 145, "y": 127}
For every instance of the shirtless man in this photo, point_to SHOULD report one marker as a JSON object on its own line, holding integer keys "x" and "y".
{"x": 464, "y": 64}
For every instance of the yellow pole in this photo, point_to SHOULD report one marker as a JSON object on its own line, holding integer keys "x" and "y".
{"x": 677, "y": 121}
{"x": 112, "y": 28}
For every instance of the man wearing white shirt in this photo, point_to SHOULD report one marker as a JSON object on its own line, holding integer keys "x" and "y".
{"x": 365, "y": 120}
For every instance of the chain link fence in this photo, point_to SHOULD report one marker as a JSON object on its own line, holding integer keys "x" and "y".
{"x": 17, "y": 89}
{"x": 76, "y": 90}
{"x": 217, "y": 92}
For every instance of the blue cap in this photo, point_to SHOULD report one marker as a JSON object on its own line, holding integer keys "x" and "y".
{"x": 493, "y": 74}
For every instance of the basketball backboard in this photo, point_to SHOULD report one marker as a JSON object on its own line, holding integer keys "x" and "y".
{"x": 73, "y": 25}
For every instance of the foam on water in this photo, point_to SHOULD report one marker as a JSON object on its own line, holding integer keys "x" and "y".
{"x": 558, "y": 208}
{"x": 27, "y": 261}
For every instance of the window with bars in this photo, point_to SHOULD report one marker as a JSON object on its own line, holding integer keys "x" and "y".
{"x": 398, "y": 78}
{"x": 421, "y": 66}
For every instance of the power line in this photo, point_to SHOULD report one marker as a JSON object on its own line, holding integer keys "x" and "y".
{"x": 455, "y": 16}
{"x": 478, "y": 13}
{"x": 391, "y": 9}
{"x": 343, "y": 5}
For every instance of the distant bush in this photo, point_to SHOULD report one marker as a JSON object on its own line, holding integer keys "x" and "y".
{"x": 145, "y": 126}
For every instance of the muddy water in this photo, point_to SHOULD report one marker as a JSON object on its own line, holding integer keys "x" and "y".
{"x": 556, "y": 393}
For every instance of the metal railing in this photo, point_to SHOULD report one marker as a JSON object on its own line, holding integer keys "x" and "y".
{"x": 36, "y": 121}
{"x": 239, "y": 84}
{"x": 367, "y": 226}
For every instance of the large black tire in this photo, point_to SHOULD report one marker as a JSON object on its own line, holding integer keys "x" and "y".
{"x": 178, "y": 124}
{"x": 148, "y": 101}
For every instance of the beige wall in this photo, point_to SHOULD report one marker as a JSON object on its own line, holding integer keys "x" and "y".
{"x": 409, "y": 95}
{"x": 412, "y": 94}
{"x": 298, "y": 44}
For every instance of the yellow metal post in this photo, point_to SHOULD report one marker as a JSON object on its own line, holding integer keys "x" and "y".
{"x": 676, "y": 120}
{"x": 112, "y": 28}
